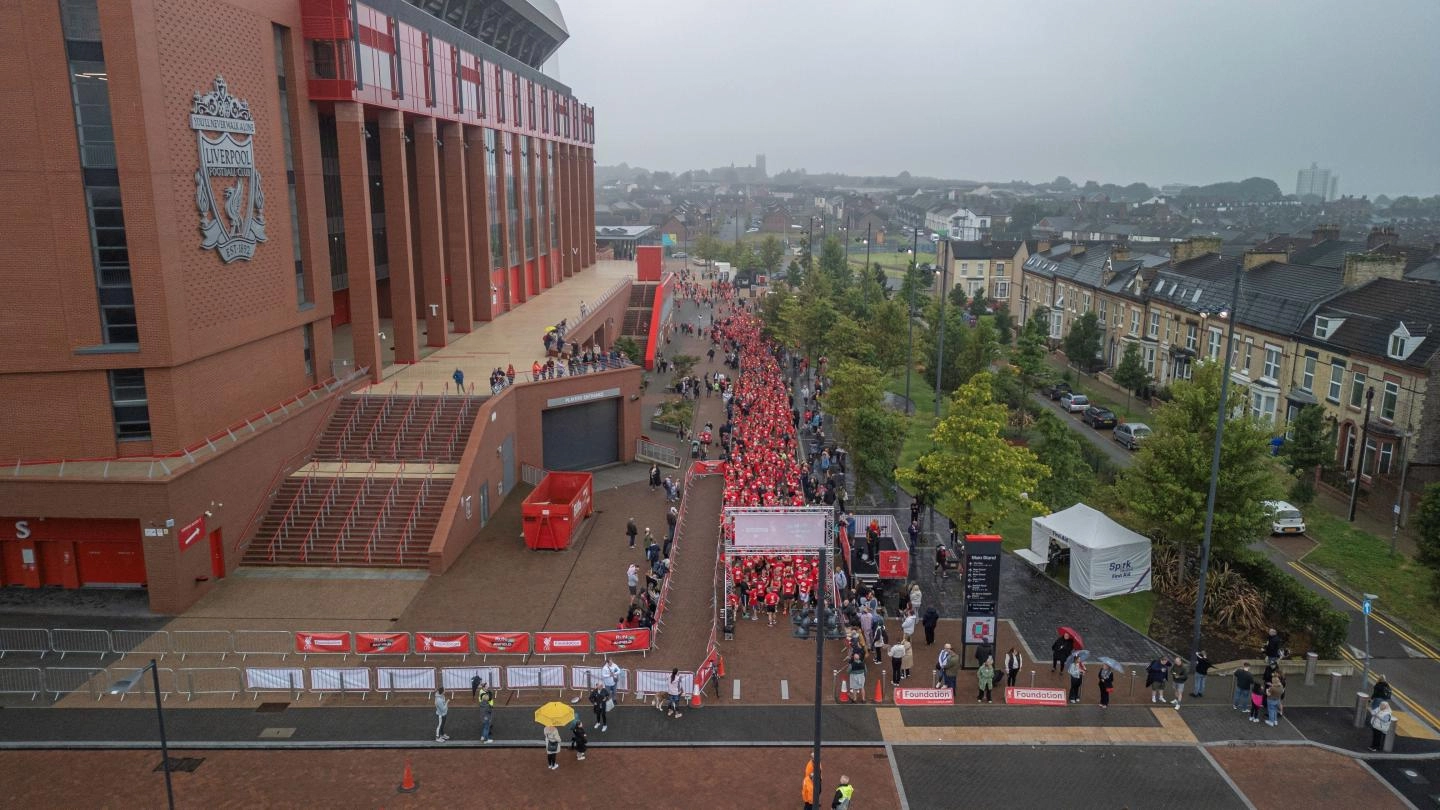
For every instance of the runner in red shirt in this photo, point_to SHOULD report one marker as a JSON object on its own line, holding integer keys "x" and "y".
{"x": 772, "y": 601}
{"x": 788, "y": 590}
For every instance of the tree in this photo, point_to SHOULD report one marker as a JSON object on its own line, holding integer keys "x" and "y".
{"x": 979, "y": 305}
{"x": 887, "y": 330}
{"x": 1131, "y": 374}
{"x": 1309, "y": 445}
{"x": 1168, "y": 485}
{"x": 1071, "y": 480}
{"x": 1427, "y": 525}
{"x": 1030, "y": 351}
{"x": 817, "y": 318}
{"x": 833, "y": 264}
{"x": 772, "y": 253}
{"x": 1004, "y": 325}
{"x": 957, "y": 297}
{"x": 707, "y": 247}
{"x": 979, "y": 350}
{"x": 1023, "y": 217}
{"x": 873, "y": 433}
{"x": 1062, "y": 182}
{"x": 1082, "y": 345}
{"x": 957, "y": 337}
{"x": 974, "y": 473}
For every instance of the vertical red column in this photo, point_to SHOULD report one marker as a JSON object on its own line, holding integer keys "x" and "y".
{"x": 457, "y": 227}
{"x": 399, "y": 249}
{"x": 359, "y": 248}
{"x": 431, "y": 236}
{"x": 562, "y": 206}
{"x": 587, "y": 203}
{"x": 479, "y": 224}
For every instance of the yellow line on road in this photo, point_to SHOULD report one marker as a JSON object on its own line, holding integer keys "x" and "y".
{"x": 1419, "y": 645}
{"x": 1414, "y": 707}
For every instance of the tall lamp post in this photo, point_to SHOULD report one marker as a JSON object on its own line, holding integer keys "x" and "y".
{"x": 865, "y": 276}
{"x": 910, "y": 363}
{"x": 1215, "y": 459}
{"x": 124, "y": 685}
{"x": 944, "y": 271}
{"x": 1360, "y": 466}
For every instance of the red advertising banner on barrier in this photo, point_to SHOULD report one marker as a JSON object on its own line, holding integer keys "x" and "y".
{"x": 322, "y": 642}
{"x": 442, "y": 643}
{"x": 382, "y": 643}
{"x": 1035, "y": 697}
{"x": 618, "y": 641}
{"x": 502, "y": 643}
{"x": 906, "y": 696}
{"x": 712, "y": 666}
{"x": 547, "y": 643}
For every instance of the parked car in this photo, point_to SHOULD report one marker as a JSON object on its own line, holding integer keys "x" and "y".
{"x": 1074, "y": 403}
{"x": 1131, "y": 434}
{"x": 1056, "y": 390}
{"x": 1284, "y": 518}
{"x": 1098, "y": 417}
{"x": 679, "y": 254}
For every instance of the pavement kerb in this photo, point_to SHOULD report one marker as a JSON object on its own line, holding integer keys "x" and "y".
{"x": 1225, "y": 775}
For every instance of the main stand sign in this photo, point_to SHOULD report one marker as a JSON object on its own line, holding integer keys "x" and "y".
{"x": 982, "y": 589}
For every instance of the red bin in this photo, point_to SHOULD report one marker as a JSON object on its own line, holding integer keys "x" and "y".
{"x": 556, "y": 509}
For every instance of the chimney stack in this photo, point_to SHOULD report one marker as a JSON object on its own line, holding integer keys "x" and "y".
{"x": 1381, "y": 236}
{"x": 1324, "y": 233}
{"x": 1121, "y": 251}
{"x": 1361, "y": 268}
{"x": 1194, "y": 248}
{"x": 1077, "y": 249}
{"x": 1255, "y": 258}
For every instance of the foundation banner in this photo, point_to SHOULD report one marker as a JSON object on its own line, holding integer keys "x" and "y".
{"x": 322, "y": 642}
{"x": 442, "y": 643}
{"x": 547, "y": 643}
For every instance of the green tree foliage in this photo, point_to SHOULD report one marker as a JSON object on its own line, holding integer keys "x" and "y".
{"x": 1131, "y": 374}
{"x": 1071, "y": 479}
{"x": 708, "y": 248}
{"x": 872, "y": 433}
{"x": 956, "y": 338}
{"x": 1166, "y": 488}
{"x": 817, "y": 319}
{"x": 1083, "y": 343}
{"x": 1031, "y": 351}
{"x": 1427, "y": 525}
{"x": 957, "y": 297}
{"x": 886, "y": 328}
{"x": 772, "y": 254}
{"x": 1023, "y": 217}
{"x": 850, "y": 340}
{"x": 1004, "y": 325}
{"x": 833, "y": 264}
{"x": 979, "y": 305}
{"x": 975, "y": 474}
{"x": 1309, "y": 445}
{"x": 979, "y": 350}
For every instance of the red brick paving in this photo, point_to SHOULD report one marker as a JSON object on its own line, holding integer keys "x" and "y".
{"x": 1300, "y": 776}
{"x": 698, "y": 778}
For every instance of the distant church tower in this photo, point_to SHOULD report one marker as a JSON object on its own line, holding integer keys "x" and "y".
{"x": 760, "y": 166}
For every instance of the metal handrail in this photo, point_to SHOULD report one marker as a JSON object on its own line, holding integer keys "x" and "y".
{"x": 381, "y": 414}
{"x": 430, "y": 425}
{"x": 409, "y": 530}
{"x": 325, "y": 503}
{"x": 384, "y": 512}
{"x": 349, "y": 522}
{"x": 289, "y": 517}
{"x": 349, "y": 428}
{"x": 406, "y": 419}
{"x": 286, "y": 467}
{"x": 465, "y": 414}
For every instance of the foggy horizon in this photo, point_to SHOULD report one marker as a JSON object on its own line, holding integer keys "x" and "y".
{"x": 1124, "y": 93}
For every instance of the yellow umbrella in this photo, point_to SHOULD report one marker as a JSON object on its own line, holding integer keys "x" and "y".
{"x": 551, "y": 329}
{"x": 555, "y": 713}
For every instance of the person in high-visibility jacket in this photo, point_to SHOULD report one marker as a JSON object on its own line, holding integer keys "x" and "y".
{"x": 807, "y": 792}
{"x": 842, "y": 795}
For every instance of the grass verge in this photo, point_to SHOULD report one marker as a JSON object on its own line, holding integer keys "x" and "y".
{"x": 1134, "y": 609}
{"x": 1362, "y": 563}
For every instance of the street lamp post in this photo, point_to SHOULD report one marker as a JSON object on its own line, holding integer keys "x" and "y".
{"x": 1360, "y": 466}
{"x": 910, "y": 277}
{"x": 124, "y": 685}
{"x": 944, "y": 271}
{"x": 865, "y": 276}
{"x": 1215, "y": 461}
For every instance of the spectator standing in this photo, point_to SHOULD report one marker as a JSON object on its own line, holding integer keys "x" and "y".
{"x": 1381, "y": 721}
{"x": 897, "y": 662}
{"x": 908, "y": 661}
{"x": 907, "y": 625}
{"x": 857, "y": 678}
{"x": 631, "y": 531}
{"x": 1273, "y": 650}
{"x": 1060, "y": 651}
{"x": 879, "y": 638}
{"x": 600, "y": 704}
{"x": 942, "y": 559}
{"x": 1202, "y": 669}
{"x": 987, "y": 680}
{"x": 632, "y": 579}
{"x": 1243, "y": 679}
{"x": 552, "y": 746}
{"x": 579, "y": 741}
{"x": 486, "y": 699}
{"x": 1380, "y": 693}
{"x": 1273, "y": 693}
{"x": 442, "y": 708}
{"x": 843, "y": 794}
{"x": 1178, "y": 676}
{"x": 1257, "y": 700}
{"x": 459, "y": 378}
{"x": 1076, "y": 670}
{"x": 1156, "y": 677}
{"x": 932, "y": 618}
{"x": 1107, "y": 685}
{"x": 948, "y": 666}
{"x": 672, "y": 695}
{"x": 654, "y": 476}
{"x": 1013, "y": 662}
{"x": 915, "y": 597}
{"x": 610, "y": 678}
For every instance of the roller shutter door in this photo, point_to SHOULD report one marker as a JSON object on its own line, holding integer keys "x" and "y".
{"x": 582, "y": 437}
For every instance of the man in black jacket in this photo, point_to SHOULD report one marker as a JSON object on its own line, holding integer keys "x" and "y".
{"x": 1202, "y": 668}
{"x": 930, "y": 619}
{"x": 1243, "y": 681}
{"x": 1060, "y": 651}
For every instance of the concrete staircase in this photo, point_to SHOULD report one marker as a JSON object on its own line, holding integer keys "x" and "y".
{"x": 637, "y": 312}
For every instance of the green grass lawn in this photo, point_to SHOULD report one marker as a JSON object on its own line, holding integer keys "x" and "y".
{"x": 917, "y": 438}
{"x": 1127, "y": 408}
{"x": 1362, "y": 563}
{"x": 892, "y": 262}
{"x": 1134, "y": 609}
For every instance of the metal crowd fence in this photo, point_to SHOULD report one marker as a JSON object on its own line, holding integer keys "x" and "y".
{"x": 22, "y": 680}
{"x": 65, "y": 680}
{"x": 263, "y": 642}
{"x": 141, "y": 686}
{"x": 154, "y": 643}
{"x": 202, "y": 642}
{"x": 24, "y": 640}
{"x": 89, "y": 642}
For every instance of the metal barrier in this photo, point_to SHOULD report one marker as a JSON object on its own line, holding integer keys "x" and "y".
{"x": 211, "y": 681}
{"x": 340, "y": 680}
{"x": 272, "y": 679}
{"x": 19, "y": 680}
{"x": 531, "y": 475}
{"x": 458, "y": 679}
{"x": 657, "y": 682}
{"x": 549, "y": 676}
{"x": 657, "y": 453}
{"x": 93, "y": 642}
{"x": 264, "y": 642}
{"x": 587, "y": 678}
{"x": 64, "y": 680}
{"x": 144, "y": 684}
{"x": 404, "y": 679}
{"x": 202, "y": 642}
{"x": 24, "y": 639}
{"x": 154, "y": 643}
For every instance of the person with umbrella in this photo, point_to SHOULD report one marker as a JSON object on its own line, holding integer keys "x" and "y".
{"x": 552, "y": 716}
{"x": 1060, "y": 651}
{"x": 1106, "y": 681}
{"x": 1076, "y": 670}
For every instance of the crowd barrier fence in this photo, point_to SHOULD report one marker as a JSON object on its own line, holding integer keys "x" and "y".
{"x": 89, "y": 642}
{"x": 24, "y": 640}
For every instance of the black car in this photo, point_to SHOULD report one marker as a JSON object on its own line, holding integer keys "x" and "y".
{"x": 1099, "y": 418}
{"x": 1057, "y": 390}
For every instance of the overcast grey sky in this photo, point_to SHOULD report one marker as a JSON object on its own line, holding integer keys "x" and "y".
{"x": 1110, "y": 90}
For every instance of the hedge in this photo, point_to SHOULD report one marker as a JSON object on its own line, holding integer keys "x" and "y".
{"x": 1298, "y": 607}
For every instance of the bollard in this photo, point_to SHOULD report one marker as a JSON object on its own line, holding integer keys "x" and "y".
{"x": 1132, "y": 683}
{"x": 1032, "y": 679}
{"x": 1362, "y": 709}
{"x": 1311, "y": 660}
{"x": 1389, "y": 744}
{"x": 1334, "y": 698}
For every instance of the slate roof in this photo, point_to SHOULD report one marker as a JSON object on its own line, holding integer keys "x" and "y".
{"x": 1428, "y": 271}
{"x": 1329, "y": 253}
{"x": 1374, "y": 310}
{"x": 1274, "y": 297}
{"x": 981, "y": 250}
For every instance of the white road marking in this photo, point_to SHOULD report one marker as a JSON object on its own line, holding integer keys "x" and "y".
{"x": 784, "y": 689}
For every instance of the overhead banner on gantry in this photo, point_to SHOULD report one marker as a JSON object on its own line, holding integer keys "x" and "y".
{"x": 767, "y": 530}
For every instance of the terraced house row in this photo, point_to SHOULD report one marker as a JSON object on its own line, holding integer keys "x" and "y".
{"x": 1320, "y": 321}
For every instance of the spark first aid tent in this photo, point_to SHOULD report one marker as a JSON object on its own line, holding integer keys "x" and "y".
{"x": 1106, "y": 559}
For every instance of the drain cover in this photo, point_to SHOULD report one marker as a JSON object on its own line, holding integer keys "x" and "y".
{"x": 185, "y": 764}
{"x": 277, "y": 733}
{"x": 271, "y": 708}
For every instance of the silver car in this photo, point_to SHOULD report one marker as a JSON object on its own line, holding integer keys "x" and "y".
{"x": 1131, "y": 434}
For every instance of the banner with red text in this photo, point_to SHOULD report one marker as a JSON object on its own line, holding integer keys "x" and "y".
{"x": 906, "y": 696}
{"x": 502, "y": 643}
{"x": 547, "y": 643}
{"x": 619, "y": 641}
{"x": 1035, "y": 697}
{"x": 442, "y": 643}
{"x": 306, "y": 642}
{"x": 382, "y": 643}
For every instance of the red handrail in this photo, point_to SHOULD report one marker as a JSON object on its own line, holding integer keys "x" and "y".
{"x": 383, "y": 512}
{"x": 430, "y": 425}
{"x": 274, "y": 486}
{"x": 346, "y": 524}
{"x": 409, "y": 530}
{"x": 406, "y": 419}
{"x": 319, "y": 520}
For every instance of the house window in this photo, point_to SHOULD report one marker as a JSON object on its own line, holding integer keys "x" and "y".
{"x": 1214, "y": 343}
{"x": 1249, "y": 355}
{"x": 1385, "y": 459}
{"x": 1272, "y": 363}
{"x": 1134, "y": 321}
{"x": 1182, "y": 368}
{"x": 1154, "y": 325}
{"x": 1150, "y": 358}
{"x": 1262, "y": 406}
{"x": 1002, "y": 289}
{"x": 1192, "y": 337}
{"x": 129, "y": 404}
{"x": 1337, "y": 380}
{"x": 1104, "y": 313}
{"x": 1397, "y": 345}
{"x": 1389, "y": 400}
{"x": 1000, "y": 268}
{"x": 1087, "y": 302}
{"x": 1056, "y": 323}
{"x": 1307, "y": 377}
{"x": 1357, "y": 388}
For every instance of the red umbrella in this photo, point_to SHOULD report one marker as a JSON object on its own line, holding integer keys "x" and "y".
{"x": 1069, "y": 631}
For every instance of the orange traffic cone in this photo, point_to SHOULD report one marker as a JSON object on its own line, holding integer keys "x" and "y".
{"x": 844, "y": 693}
{"x": 879, "y": 690}
{"x": 695, "y": 699}
{"x": 408, "y": 783}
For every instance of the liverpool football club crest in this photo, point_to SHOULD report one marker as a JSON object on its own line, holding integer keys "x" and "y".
{"x": 227, "y": 184}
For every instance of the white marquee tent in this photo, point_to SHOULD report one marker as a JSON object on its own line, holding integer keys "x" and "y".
{"x": 1106, "y": 559}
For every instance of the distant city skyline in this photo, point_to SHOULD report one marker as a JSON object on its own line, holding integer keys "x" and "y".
{"x": 1195, "y": 93}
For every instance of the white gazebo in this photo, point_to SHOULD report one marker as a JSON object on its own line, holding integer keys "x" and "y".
{"x": 1106, "y": 559}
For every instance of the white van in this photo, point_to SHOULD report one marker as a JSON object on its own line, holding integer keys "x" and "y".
{"x": 1284, "y": 518}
